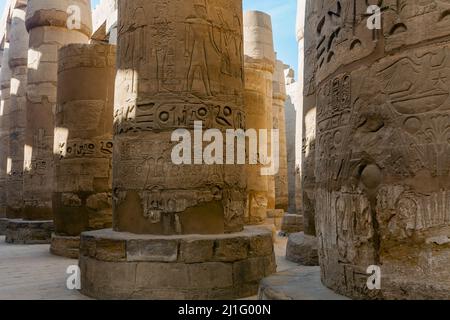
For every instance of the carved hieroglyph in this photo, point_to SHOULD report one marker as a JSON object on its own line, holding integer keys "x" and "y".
{"x": 5, "y": 106}
{"x": 259, "y": 68}
{"x": 47, "y": 24}
{"x": 382, "y": 158}
{"x": 178, "y": 62}
{"x": 18, "y": 57}
{"x": 83, "y": 137}
{"x": 279, "y": 122}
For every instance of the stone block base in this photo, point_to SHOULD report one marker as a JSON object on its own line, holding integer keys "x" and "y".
{"x": 3, "y": 223}
{"x": 292, "y": 223}
{"x": 302, "y": 283}
{"x": 117, "y": 265}
{"x": 65, "y": 246}
{"x": 29, "y": 232}
{"x": 302, "y": 249}
{"x": 275, "y": 217}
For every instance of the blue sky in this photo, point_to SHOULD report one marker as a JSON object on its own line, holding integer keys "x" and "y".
{"x": 283, "y": 14}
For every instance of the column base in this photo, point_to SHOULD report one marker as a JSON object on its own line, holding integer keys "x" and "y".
{"x": 3, "y": 224}
{"x": 292, "y": 223}
{"x": 28, "y": 232}
{"x": 303, "y": 249}
{"x": 301, "y": 283}
{"x": 117, "y": 265}
{"x": 275, "y": 217}
{"x": 65, "y": 246}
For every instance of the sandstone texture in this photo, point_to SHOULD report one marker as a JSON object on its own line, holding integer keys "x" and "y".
{"x": 18, "y": 58}
{"x": 382, "y": 170}
{"x": 173, "y": 76}
{"x": 82, "y": 200}
{"x": 279, "y": 123}
{"x": 28, "y": 232}
{"x": 259, "y": 68}
{"x": 302, "y": 249}
{"x": 47, "y": 25}
{"x": 126, "y": 266}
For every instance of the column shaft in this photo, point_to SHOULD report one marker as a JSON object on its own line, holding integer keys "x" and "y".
{"x": 18, "y": 63}
{"x": 259, "y": 68}
{"x": 47, "y": 23}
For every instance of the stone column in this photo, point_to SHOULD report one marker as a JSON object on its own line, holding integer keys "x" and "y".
{"x": 279, "y": 118}
{"x": 302, "y": 247}
{"x": 291, "y": 105}
{"x": 300, "y": 36}
{"x": 382, "y": 165}
{"x": 82, "y": 199}
{"x": 178, "y": 221}
{"x": 5, "y": 105}
{"x": 18, "y": 57}
{"x": 48, "y": 25}
{"x": 293, "y": 219}
{"x": 259, "y": 69}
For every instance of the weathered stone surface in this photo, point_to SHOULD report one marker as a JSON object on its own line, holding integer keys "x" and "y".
{"x": 292, "y": 223}
{"x": 382, "y": 187}
{"x": 228, "y": 266}
{"x": 279, "y": 123}
{"x": 152, "y": 250}
{"x": 5, "y": 83}
{"x": 302, "y": 248}
{"x": 178, "y": 229}
{"x": 293, "y": 105}
{"x": 65, "y": 246}
{"x": 111, "y": 250}
{"x": 301, "y": 283}
{"x": 56, "y": 13}
{"x": 18, "y": 63}
{"x": 29, "y": 232}
{"x": 171, "y": 75}
{"x": 211, "y": 275}
{"x": 275, "y": 217}
{"x": 231, "y": 249}
{"x": 82, "y": 200}
{"x": 47, "y": 24}
{"x": 260, "y": 246}
{"x": 297, "y": 92}
{"x": 259, "y": 68}
{"x": 192, "y": 251}
{"x": 3, "y": 225}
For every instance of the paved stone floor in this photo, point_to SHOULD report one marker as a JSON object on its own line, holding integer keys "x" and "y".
{"x": 31, "y": 272}
{"x": 299, "y": 283}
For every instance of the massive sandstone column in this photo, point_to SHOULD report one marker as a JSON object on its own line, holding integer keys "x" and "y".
{"x": 293, "y": 219}
{"x": 47, "y": 22}
{"x": 18, "y": 57}
{"x": 5, "y": 107}
{"x": 302, "y": 247}
{"x": 82, "y": 199}
{"x": 180, "y": 67}
{"x": 259, "y": 69}
{"x": 3, "y": 219}
{"x": 279, "y": 118}
{"x": 291, "y": 105}
{"x": 382, "y": 165}
{"x": 300, "y": 36}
